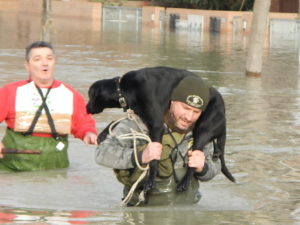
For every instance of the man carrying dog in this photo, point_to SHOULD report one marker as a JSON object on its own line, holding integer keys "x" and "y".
{"x": 188, "y": 100}
{"x": 40, "y": 113}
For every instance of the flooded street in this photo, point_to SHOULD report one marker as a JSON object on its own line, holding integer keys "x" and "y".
{"x": 263, "y": 126}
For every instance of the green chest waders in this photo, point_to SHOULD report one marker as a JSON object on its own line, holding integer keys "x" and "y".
{"x": 52, "y": 156}
{"x": 164, "y": 191}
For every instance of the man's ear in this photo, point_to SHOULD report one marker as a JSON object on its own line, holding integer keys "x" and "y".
{"x": 170, "y": 102}
{"x": 26, "y": 65}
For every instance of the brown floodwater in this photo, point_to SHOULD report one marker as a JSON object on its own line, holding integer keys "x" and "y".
{"x": 263, "y": 121}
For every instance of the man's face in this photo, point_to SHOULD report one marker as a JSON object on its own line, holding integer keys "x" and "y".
{"x": 183, "y": 116}
{"x": 41, "y": 66}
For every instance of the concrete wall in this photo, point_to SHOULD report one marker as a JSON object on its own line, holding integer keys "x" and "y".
{"x": 9, "y": 5}
{"x": 229, "y": 20}
{"x": 62, "y": 8}
{"x": 26, "y": 21}
{"x": 138, "y": 4}
{"x": 86, "y": 10}
{"x": 225, "y": 17}
{"x": 151, "y": 15}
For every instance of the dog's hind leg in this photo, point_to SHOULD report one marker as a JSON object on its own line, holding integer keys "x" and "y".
{"x": 219, "y": 148}
{"x": 219, "y": 152}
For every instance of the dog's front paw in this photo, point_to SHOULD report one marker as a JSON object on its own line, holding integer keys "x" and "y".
{"x": 150, "y": 181}
{"x": 148, "y": 185}
{"x": 182, "y": 186}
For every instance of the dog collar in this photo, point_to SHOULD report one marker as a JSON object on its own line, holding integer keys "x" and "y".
{"x": 122, "y": 99}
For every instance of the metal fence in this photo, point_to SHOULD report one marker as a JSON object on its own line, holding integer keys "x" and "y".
{"x": 283, "y": 31}
{"x": 121, "y": 17}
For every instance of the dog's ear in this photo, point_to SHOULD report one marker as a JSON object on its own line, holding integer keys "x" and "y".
{"x": 91, "y": 106}
{"x": 102, "y": 94}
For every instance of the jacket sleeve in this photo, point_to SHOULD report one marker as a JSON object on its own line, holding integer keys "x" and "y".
{"x": 82, "y": 122}
{"x": 115, "y": 152}
{"x": 212, "y": 166}
{"x": 7, "y": 104}
{"x": 3, "y": 104}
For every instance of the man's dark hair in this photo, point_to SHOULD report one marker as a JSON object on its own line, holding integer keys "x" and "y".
{"x": 37, "y": 44}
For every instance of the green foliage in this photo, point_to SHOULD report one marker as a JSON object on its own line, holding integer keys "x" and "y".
{"x": 110, "y": 2}
{"x": 233, "y": 5}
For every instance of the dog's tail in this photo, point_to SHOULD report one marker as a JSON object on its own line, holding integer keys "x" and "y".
{"x": 219, "y": 151}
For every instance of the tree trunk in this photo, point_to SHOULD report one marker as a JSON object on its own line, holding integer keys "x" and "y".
{"x": 258, "y": 29}
{"x": 46, "y": 21}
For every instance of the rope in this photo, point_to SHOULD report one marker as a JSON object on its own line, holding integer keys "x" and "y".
{"x": 134, "y": 135}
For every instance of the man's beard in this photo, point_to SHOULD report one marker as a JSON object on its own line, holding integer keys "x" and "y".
{"x": 170, "y": 120}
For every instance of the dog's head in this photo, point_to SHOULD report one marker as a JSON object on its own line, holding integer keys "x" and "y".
{"x": 102, "y": 94}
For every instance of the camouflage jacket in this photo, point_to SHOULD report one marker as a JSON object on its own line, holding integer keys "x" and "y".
{"x": 119, "y": 154}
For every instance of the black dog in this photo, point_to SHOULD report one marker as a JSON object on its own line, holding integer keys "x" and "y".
{"x": 148, "y": 91}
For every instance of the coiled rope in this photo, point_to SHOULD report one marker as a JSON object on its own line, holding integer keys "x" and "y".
{"x": 134, "y": 135}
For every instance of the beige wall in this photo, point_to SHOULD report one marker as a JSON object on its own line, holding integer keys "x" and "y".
{"x": 86, "y": 10}
{"x": 26, "y": 23}
{"x": 151, "y": 16}
{"x": 9, "y": 5}
{"x": 137, "y": 4}
{"x": 65, "y": 8}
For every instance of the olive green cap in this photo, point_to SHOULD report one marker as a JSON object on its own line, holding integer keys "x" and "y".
{"x": 192, "y": 91}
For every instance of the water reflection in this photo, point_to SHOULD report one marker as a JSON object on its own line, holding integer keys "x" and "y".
{"x": 151, "y": 216}
{"x": 31, "y": 216}
{"x": 262, "y": 113}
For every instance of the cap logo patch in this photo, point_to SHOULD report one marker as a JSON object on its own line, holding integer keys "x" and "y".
{"x": 195, "y": 101}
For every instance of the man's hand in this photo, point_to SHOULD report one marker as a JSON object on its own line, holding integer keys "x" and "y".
{"x": 1, "y": 147}
{"x": 196, "y": 160}
{"x": 152, "y": 152}
{"x": 90, "y": 138}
